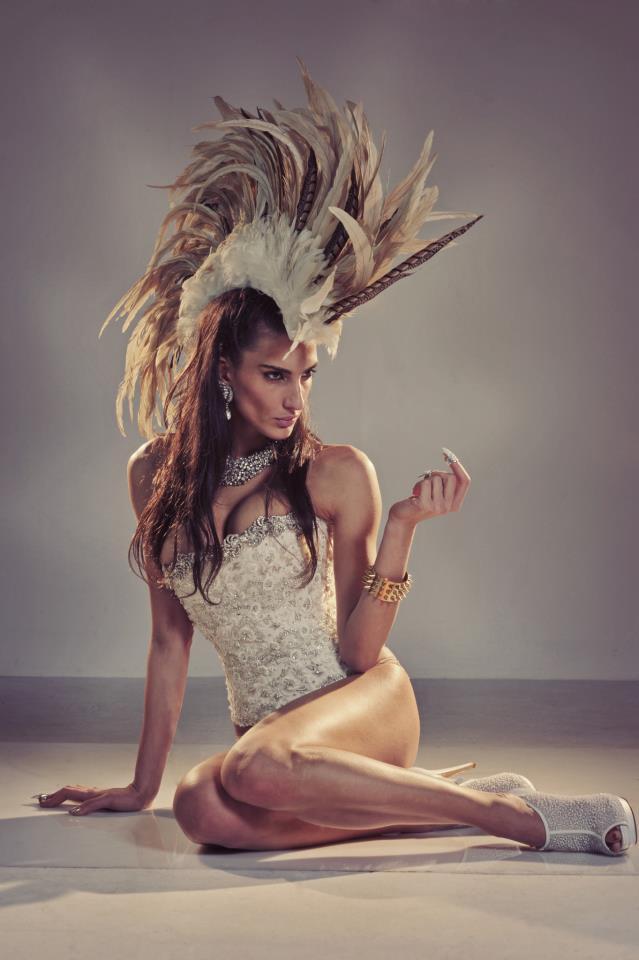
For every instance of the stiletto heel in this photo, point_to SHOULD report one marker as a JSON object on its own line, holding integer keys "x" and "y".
{"x": 580, "y": 824}
{"x": 497, "y": 783}
{"x": 451, "y": 771}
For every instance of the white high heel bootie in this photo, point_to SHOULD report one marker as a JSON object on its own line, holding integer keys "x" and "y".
{"x": 506, "y": 782}
{"x": 580, "y": 824}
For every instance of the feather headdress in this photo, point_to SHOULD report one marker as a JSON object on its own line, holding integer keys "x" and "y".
{"x": 291, "y": 203}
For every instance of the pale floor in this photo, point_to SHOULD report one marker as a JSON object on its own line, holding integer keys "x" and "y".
{"x": 133, "y": 885}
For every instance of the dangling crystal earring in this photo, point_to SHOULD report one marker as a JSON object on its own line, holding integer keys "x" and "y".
{"x": 227, "y": 390}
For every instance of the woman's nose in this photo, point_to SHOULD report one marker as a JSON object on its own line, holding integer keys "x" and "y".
{"x": 294, "y": 400}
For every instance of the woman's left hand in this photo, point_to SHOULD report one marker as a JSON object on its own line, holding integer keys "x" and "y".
{"x": 434, "y": 496}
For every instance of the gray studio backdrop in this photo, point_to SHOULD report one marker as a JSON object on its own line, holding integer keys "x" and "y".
{"x": 516, "y": 348}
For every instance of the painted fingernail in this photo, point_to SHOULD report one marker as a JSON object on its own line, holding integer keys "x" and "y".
{"x": 449, "y": 455}
{"x": 74, "y": 810}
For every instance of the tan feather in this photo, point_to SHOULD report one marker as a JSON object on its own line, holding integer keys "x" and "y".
{"x": 262, "y": 164}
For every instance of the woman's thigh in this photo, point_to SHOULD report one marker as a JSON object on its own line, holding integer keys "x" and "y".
{"x": 373, "y": 713}
{"x": 208, "y": 814}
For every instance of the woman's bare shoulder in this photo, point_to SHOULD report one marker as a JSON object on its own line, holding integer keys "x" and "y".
{"x": 149, "y": 452}
{"x": 141, "y": 469}
{"x": 343, "y": 456}
{"x": 337, "y": 469}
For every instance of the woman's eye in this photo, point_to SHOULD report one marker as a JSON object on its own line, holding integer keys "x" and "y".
{"x": 277, "y": 375}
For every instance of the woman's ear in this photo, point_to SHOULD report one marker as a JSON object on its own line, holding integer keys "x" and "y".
{"x": 223, "y": 368}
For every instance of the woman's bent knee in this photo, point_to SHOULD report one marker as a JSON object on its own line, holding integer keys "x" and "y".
{"x": 204, "y": 811}
{"x": 258, "y": 773}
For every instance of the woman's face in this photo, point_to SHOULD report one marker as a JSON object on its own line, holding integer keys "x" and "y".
{"x": 268, "y": 391}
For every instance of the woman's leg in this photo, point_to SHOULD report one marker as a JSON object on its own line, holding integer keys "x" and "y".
{"x": 337, "y": 788}
{"x": 208, "y": 814}
{"x": 341, "y": 758}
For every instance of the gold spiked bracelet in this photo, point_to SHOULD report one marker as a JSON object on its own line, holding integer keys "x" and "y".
{"x": 383, "y": 588}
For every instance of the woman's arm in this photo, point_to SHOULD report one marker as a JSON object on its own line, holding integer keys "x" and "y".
{"x": 371, "y": 620}
{"x": 167, "y": 665}
{"x": 166, "y": 673}
{"x": 364, "y": 621}
{"x": 168, "y": 655}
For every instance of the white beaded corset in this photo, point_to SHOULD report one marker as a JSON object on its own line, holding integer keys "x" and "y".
{"x": 276, "y": 641}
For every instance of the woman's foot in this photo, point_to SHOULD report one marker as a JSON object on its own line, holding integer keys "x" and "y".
{"x": 536, "y": 832}
{"x": 613, "y": 839}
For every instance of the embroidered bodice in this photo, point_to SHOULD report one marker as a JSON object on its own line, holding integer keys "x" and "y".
{"x": 276, "y": 641}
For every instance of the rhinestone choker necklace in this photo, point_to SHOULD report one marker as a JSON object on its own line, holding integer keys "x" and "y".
{"x": 240, "y": 469}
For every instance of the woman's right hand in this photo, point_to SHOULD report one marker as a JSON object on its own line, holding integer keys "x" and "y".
{"x": 90, "y": 799}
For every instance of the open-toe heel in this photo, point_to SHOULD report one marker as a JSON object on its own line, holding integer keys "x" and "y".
{"x": 580, "y": 824}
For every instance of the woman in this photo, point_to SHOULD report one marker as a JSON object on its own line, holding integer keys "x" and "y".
{"x": 264, "y": 538}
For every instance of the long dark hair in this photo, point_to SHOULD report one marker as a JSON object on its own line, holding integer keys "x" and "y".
{"x": 191, "y": 454}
